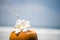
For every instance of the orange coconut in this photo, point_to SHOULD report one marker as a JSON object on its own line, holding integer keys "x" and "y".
{"x": 29, "y": 35}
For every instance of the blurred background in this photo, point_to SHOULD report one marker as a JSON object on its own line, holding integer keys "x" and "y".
{"x": 44, "y": 16}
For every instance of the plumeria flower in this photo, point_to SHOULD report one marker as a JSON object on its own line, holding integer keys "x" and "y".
{"x": 17, "y": 30}
{"x": 21, "y": 25}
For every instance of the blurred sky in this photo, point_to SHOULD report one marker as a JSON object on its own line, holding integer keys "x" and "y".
{"x": 41, "y": 13}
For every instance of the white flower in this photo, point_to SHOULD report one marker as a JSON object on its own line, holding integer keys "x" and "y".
{"x": 17, "y": 31}
{"x": 25, "y": 30}
{"x": 22, "y": 24}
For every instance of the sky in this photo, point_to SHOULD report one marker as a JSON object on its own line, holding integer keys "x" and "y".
{"x": 40, "y": 13}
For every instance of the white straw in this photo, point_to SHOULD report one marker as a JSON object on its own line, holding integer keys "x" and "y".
{"x": 17, "y": 15}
